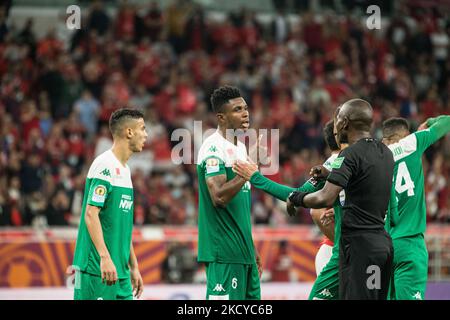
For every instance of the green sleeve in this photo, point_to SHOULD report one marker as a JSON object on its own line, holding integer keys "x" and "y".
{"x": 437, "y": 128}
{"x": 440, "y": 125}
{"x": 277, "y": 190}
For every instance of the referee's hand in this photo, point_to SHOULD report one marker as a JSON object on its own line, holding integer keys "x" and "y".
{"x": 292, "y": 211}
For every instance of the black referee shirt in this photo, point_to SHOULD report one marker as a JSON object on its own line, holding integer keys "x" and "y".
{"x": 365, "y": 171}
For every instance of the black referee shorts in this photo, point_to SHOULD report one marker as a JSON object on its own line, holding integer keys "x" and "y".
{"x": 365, "y": 263}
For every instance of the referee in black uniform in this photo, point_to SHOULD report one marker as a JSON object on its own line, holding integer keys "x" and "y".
{"x": 364, "y": 170}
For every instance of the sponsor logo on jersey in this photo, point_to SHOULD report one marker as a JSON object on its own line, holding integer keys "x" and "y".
{"x": 326, "y": 293}
{"x": 125, "y": 202}
{"x": 106, "y": 173}
{"x": 118, "y": 171}
{"x": 219, "y": 288}
{"x": 337, "y": 163}
{"x": 212, "y": 165}
{"x": 397, "y": 151}
{"x": 99, "y": 194}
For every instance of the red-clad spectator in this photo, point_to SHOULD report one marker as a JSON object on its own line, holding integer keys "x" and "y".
{"x": 125, "y": 22}
{"x": 29, "y": 119}
{"x": 49, "y": 47}
{"x": 197, "y": 36}
{"x": 146, "y": 70}
{"x": 249, "y": 30}
{"x": 312, "y": 32}
{"x": 431, "y": 106}
{"x": 57, "y": 145}
{"x": 225, "y": 35}
{"x": 153, "y": 22}
{"x": 187, "y": 100}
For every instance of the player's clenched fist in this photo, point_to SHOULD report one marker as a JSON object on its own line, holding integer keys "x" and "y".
{"x": 108, "y": 270}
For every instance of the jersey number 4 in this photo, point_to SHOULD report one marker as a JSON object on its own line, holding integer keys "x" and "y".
{"x": 403, "y": 180}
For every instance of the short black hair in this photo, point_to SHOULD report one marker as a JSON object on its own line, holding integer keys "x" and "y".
{"x": 392, "y": 125}
{"x": 328, "y": 135}
{"x": 222, "y": 95}
{"x": 119, "y": 117}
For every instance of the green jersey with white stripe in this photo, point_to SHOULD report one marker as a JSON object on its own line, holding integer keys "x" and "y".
{"x": 109, "y": 187}
{"x": 409, "y": 179}
{"x": 224, "y": 234}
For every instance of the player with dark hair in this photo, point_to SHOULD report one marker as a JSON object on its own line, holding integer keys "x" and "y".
{"x": 225, "y": 243}
{"x": 364, "y": 170}
{"x": 410, "y": 266}
{"x": 105, "y": 262}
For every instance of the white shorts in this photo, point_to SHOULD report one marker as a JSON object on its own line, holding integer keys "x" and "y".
{"x": 323, "y": 256}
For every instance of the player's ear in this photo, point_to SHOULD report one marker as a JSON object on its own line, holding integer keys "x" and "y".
{"x": 129, "y": 133}
{"x": 345, "y": 123}
{"x": 220, "y": 116}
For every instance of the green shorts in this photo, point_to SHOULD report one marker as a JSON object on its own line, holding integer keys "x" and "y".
{"x": 326, "y": 286}
{"x": 232, "y": 281}
{"x": 410, "y": 269}
{"x": 90, "y": 287}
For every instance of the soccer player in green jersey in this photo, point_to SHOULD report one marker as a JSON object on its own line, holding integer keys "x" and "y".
{"x": 105, "y": 262}
{"x": 326, "y": 286}
{"x": 407, "y": 228}
{"x": 225, "y": 243}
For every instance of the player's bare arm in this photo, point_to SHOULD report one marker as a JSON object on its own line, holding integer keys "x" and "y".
{"x": 221, "y": 190}
{"x": 136, "y": 279}
{"x": 326, "y": 228}
{"x": 93, "y": 224}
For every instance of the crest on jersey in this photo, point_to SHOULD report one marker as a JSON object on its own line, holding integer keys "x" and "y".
{"x": 212, "y": 165}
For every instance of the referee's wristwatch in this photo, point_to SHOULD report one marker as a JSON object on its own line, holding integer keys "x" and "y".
{"x": 296, "y": 198}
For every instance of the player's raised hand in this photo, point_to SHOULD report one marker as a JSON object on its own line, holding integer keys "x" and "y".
{"x": 136, "y": 282}
{"x": 245, "y": 169}
{"x": 327, "y": 217}
{"x": 319, "y": 172}
{"x": 108, "y": 271}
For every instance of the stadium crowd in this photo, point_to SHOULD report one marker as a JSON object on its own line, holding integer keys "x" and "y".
{"x": 57, "y": 93}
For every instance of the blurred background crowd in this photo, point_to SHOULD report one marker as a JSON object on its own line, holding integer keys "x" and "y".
{"x": 58, "y": 91}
